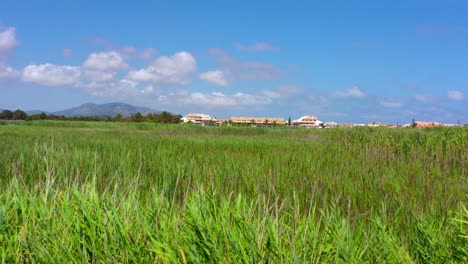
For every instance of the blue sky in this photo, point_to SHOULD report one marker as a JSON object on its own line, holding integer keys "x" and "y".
{"x": 345, "y": 61}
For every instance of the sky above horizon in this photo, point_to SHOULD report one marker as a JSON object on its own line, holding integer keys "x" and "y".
{"x": 343, "y": 61}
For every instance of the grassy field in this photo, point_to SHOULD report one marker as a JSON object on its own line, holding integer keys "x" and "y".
{"x": 148, "y": 193}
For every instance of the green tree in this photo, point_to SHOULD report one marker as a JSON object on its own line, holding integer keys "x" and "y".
{"x": 137, "y": 117}
{"x": 34, "y": 117}
{"x": 166, "y": 117}
{"x": 176, "y": 119}
{"x": 6, "y": 114}
{"x": 289, "y": 121}
{"x": 119, "y": 117}
{"x": 43, "y": 116}
{"x": 413, "y": 123}
{"x": 19, "y": 115}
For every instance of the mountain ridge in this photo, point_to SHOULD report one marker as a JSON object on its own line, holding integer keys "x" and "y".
{"x": 100, "y": 110}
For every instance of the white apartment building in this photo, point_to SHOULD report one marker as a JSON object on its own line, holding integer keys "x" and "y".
{"x": 307, "y": 121}
{"x": 199, "y": 119}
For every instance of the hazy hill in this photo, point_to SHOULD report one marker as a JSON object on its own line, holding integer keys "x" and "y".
{"x": 103, "y": 110}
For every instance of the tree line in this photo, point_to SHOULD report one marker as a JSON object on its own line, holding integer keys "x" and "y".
{"x": 163, "y": 117}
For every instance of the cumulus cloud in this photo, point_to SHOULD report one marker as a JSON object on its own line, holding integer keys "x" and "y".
{"x": 97, "y": 76}
{"x": 217, "y": 77}
{"x": 214, "y": 100}
{"x": 52, "y": 75}
{"x": 175, "y": 69}
{"x": 271, "y": 94}
{"x": 105, "y": 61}
{"x": 122, "y": 89}
{"x": 8, "y": 39}
{"x": 7, "y": 72}
{"x": 219, "y": 99}
{"x": 455, "y": 95}
{"x": 147, "y": 90}
{"x": 354, "y": 92}
{"x": 259, "y": 46}
{"x": 103, "y": 66}
{"x": 283, "y": 91}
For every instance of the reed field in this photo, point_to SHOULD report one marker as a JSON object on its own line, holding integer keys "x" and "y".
{"x": 102, "y": 192}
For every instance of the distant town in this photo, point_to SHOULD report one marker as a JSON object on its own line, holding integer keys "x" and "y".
{"x": 304, "y": 121}
{"x": 117, "y": 112}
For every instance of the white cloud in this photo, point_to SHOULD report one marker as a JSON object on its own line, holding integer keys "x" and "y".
{"x": 175, "y": 69}
{"x": 123, "y": 89}
{"x": 217, "y": 77}
{"x": 110, "y": 61}
{"x": 6, "y": 72}
{"x": 251, "y": 99}
{"x": 391, "y": 104}
{"x": 147, "y": 90}
{"x": 455, "y": 95}
{"x": 98, "y": 76}
{"x": 271, "y": 94}
{"x": 259, "y": 46}
{"x": 8, "y": 39}
{"x": 103, "y": 66}
{"x": 351, "y": 92}
{"x": 52, "y": 75}
{"x": 214, "y": 100}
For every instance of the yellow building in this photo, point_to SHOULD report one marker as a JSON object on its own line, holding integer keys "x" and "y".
{"x": 257, "y": 121}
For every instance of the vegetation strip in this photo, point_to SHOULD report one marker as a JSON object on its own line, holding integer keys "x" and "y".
{"x": 145, "y": 192}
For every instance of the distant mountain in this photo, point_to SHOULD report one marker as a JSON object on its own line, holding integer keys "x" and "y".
{"x": 105, "y": 110}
